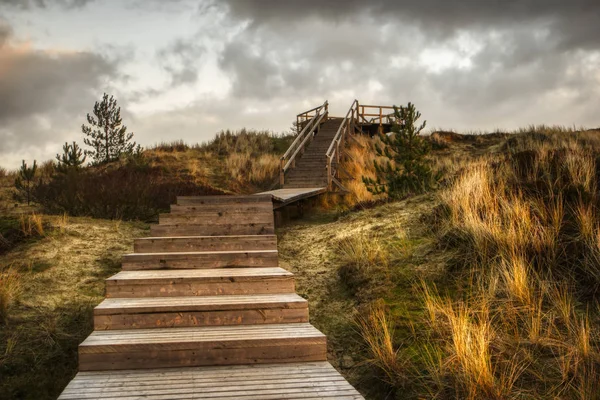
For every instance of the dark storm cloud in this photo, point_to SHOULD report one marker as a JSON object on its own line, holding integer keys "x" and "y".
{"x": 577, "y": 19}
{"x": 525, "y": 51}
{"x": 42, "y": 92}
{"x": 27, "y": 4}
{"x": 5, "y": 33}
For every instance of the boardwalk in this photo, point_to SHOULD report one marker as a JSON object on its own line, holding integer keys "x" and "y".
{"x": 202, "y": 310}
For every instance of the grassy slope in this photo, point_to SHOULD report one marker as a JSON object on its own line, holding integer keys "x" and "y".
{"x": 60, "y": 281}
{"x": 62, "y": 278}
{"x": 312, "y": 249}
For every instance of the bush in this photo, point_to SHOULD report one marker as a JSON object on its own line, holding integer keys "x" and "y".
{"x": 253, "y": 143}
{"x": 129, "y": 190}
{"x": 406, "y": 169}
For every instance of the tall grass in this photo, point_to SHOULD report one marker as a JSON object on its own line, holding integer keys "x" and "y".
{"x": 32, "y": 225}
{"x": 9, "y": 290}
{"x": 525, "y": 230}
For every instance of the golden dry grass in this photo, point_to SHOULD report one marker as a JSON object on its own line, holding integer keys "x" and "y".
{"x": 521, "y": 320}
{"x": 48, "y": 289}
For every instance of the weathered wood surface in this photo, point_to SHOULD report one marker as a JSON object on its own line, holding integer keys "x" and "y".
{"x": 206, "y": 291}
{"x": 184, "y": 229}
{"x": 200, "y": 311}
{"x": 308, "y": 380}
{"x": 206, "y": 345}
{"x": 205, "y": 243}
{"x": 200, "y": 282}
{"x": 204, "y": 259}
{"x": 290, "y": 195}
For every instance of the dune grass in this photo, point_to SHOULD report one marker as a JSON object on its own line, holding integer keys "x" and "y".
{"x": 517, "y": 316}
{"x": 48, "y": 288}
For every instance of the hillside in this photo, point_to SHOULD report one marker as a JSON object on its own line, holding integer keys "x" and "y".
{"x": 467, "y": 291}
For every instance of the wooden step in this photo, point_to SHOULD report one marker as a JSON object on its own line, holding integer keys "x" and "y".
{"x": 162, "y": 312}
{"x": 217, "y": 218}
{"x": 196, "y": 346}
{"x": 199, "y": 282}
{"x": 197, "y": 200}
{"x": 200, "y": 259}
{"x": 205, "y": 243}
{"x": 307, "y": 380}
{"x": 234, "y": 209}
{"x": 216, "y": 230}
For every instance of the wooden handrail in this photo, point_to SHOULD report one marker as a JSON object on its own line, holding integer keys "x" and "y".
{"x": 312, "y": 122}
{"x": 338, "y": 140}
{"x": 293, "y": 157}
{"x": 377, "y": 114}
{"x": 298, "y": 137}
{"x": 306, "y": 115}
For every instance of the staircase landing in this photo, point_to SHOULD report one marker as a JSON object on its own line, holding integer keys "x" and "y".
{"x": 283, "y": 197}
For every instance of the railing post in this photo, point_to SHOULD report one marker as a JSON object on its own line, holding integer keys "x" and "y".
{"x": 329, "y": 180}
{"x": 281, "y": 172}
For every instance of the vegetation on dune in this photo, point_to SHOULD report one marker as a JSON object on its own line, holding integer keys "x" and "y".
{"x": 49, "y": 284}
{"x": 406, "y": 168}
{"x": 513, "y": 313}
{"x": 458, "y": 266}
{"x": 106, "y": 134}
{"x": 24, "y": 182}
{"x": 243, "y": 161}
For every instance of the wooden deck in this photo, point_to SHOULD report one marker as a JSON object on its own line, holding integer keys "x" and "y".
{"x": 283, "y": 197}
{"x": 307, "y": 381}
{"x": 202, "y": 310}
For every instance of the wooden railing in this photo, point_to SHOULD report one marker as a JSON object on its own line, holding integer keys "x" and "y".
{"x": 334, "y": 152}
{"x": 303, "y": 118}
{"x": 310, "y": 121}
{"x": 377, "y": 114}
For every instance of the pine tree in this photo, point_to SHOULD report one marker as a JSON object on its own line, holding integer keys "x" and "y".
{"x": 407, "y": 169}
{"x": 24, "y": 181}
{"x": 106, "y": 134}
{"x": 71, "y": 159}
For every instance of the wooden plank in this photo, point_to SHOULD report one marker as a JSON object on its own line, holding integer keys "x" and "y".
{"x": 218, "y": 230}
{"x": 205, "y": 243}
{"x": 217, "y": 218}
{"x": 196, "y": 200}
{"x": 199, "y": 282}
{"x": 190, "y": 260}
{"x": 200, "y": 311}
{"x": 177, "y": 319}
{"x": 222, "y": 345}
{"x": 201, "y": 274}
{"x": 236, "y": 208}
{"x": 199, "y": 303}
{"x": 291, "y": 195}
{"x": 262, "y": 350}
{"x": 309, "y": 380}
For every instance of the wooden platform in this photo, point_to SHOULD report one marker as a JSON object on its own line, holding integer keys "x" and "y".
{"x": 283, "y": 197}
{"x": 309, "y": 381}
{"x": 209, "y": 293}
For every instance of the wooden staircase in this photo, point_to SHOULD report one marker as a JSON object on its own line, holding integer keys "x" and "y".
{"x": 202, "y": 310}
{"x": 311, "y": 169}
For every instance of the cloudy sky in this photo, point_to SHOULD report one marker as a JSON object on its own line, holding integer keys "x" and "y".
{"x": 186, "y": 69}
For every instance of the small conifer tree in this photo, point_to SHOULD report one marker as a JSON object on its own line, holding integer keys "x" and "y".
{"x": 407, "y": 169}
{"x": 72, "y": 158}
{"x": 24, "y": 181}
{"x": 106, "y": 134}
